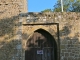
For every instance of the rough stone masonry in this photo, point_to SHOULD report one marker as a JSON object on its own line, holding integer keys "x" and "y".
{"x": 16, "y": 28}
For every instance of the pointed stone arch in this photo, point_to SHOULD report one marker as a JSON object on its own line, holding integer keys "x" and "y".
{"x": 41, "y": 39}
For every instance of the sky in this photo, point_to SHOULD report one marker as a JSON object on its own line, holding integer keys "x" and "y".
{"x": 40, "y": 5}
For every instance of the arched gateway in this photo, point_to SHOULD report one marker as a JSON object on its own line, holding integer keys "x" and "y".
{"x": 41, "y": 46}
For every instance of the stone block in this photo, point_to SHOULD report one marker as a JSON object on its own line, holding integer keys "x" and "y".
{"x": 62, "y": 47}
{"x": 66, "y": 54}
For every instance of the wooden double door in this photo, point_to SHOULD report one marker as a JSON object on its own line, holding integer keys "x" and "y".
{"x": 40, "y": 46}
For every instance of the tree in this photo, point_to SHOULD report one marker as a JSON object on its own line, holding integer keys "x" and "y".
{"x": 46, "y": 10}
{"x": 75, "y": 7}
{"x": 68, "y": 6}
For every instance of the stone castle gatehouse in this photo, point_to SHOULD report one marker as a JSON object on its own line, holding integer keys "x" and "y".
{"x": 37, "y": 36}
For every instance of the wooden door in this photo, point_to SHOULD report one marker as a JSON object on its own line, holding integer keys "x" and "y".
{"x": 39, "y": 47}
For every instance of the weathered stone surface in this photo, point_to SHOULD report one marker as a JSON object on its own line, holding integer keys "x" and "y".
{"x": 14, "y": 33}
{"x": 10, "y": 11}
{"x": 68, "y": 30}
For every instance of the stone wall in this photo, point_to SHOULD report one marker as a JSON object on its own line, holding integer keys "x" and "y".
{"x": 10, "y": 31}
{"x": 69, "y": 31}
{"x": 16, "y": 27}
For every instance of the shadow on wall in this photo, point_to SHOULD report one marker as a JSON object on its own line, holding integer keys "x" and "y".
{"x": 8, "y": 50}
{"x": 65, "y": 31}
{"x": 7, "y": 25}
{"x": 69, "y": 45}
{"x": 7, "y": 33}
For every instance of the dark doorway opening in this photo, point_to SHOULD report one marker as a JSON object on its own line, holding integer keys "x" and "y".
{"x": 41, "y": 46}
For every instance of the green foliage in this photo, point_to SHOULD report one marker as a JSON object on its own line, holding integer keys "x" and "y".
{"x": 75, "y": 7}
{"x": 47, "y": 10}
{"x": 57, "y": 7}
{"x": 68, "y": 6}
